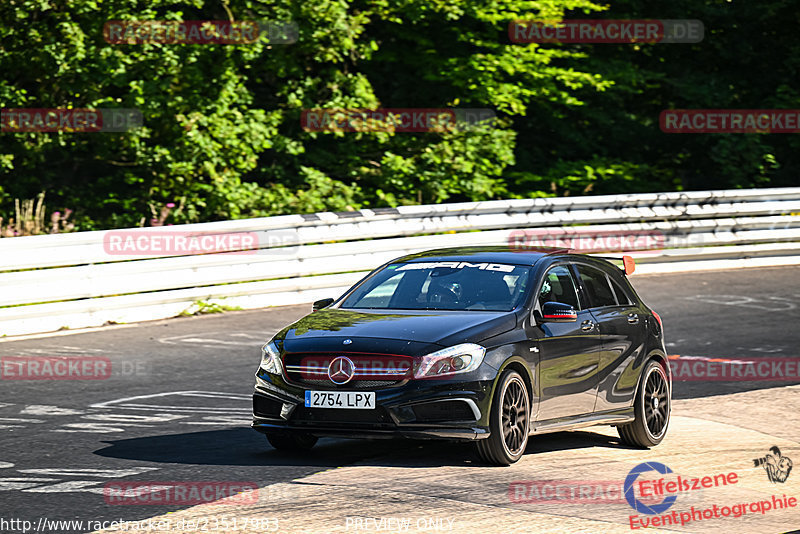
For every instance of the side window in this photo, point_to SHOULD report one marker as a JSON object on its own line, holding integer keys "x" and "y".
{"x": 619, "y": 291}
{"x": 595, "y": 282}
{"x": 558, "y": 286}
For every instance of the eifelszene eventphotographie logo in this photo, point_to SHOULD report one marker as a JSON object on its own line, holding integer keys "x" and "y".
{"x": 630, "y": 496}
{"x": 775, "y": 464}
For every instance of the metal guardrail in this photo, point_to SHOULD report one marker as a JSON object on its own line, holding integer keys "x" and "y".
{"x": 78, "y": 280}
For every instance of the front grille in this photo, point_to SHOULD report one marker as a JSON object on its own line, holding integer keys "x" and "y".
{"x": 343, "y": 418}
{"x": 371, "y": 371}
{"x": 455, "y": 410}
{"x": 353, "y": 384}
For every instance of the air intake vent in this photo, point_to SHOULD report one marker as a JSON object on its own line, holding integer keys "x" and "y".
{"x": 455, "y": 410}
{"x": 264, "y": 407}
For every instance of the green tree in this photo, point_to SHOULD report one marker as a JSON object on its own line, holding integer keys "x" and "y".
{"x": 222, "y": 136}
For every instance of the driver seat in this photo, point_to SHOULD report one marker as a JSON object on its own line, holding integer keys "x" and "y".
{"x": 493, "y": 291}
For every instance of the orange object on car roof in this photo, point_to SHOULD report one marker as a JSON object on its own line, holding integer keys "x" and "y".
{"x": 629, "y": 264}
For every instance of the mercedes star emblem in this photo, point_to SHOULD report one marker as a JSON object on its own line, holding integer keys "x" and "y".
{"x": 341, "y": 370}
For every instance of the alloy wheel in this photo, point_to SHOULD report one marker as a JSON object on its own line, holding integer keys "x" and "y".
{"x": 656, "y": 402}
{"x": 515, "y": 416}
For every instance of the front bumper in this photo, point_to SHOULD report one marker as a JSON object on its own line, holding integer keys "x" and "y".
{"x": 450, "y": 409}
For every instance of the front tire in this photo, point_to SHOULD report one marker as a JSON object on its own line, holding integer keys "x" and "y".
{"x": 292, "y": 442}
{"x": 652, "y": 408}
{"x": 509, "y": 422}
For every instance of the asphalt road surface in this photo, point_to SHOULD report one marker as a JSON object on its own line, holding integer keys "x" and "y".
{"x": 177, "y": 404}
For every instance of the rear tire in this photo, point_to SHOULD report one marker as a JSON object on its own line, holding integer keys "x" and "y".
{"x": 509, "y": 422}
{"x": 292, "y": 442}
{"x": 652, "y": 408}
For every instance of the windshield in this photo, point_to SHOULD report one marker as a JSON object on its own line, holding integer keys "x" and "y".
{"x": 444, "y": 285}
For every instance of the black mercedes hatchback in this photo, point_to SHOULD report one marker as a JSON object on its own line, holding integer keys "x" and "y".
{"x": 483, "y": 344}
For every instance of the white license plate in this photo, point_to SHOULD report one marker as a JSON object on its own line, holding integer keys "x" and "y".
{"x": 361, "y": 400}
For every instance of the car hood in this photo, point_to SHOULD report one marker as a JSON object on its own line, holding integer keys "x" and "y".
{"x": 443, "y": 328}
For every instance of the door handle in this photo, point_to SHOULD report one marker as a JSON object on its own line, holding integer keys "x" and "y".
{"x": 633, "y": 318}
{"x": 587, "y": 325}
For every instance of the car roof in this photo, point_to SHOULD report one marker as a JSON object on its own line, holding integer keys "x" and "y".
{"x": 495, "y": 254}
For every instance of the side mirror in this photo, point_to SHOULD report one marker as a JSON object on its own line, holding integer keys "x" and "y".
{"x": 557, "y": 312}
{"x": 324, "y": 303}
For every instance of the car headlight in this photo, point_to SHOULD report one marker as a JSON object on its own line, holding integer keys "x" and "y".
{"x": 452, "y": 360}
{"x": 271, "y": 358}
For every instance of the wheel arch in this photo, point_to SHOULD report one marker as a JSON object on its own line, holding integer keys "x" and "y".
{"x": 663, "y": 361}
{"x": 518, "y": 364}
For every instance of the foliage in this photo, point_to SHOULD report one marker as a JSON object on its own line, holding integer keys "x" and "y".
{"x": 202, "y": 307}
{"x": 29, "y": 219}
{"x": 222, "y": 137}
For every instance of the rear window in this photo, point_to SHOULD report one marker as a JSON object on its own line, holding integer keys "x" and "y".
{"x": 620, "y": 292}
{"x": 444, "y": 285}
{"x": 596, "y": 284}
